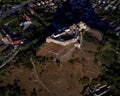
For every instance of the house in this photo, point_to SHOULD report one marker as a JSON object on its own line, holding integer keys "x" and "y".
{"x": 32, "y": 5}
{"x": 68, "y": 35}
{"x": 99, "y": 90}
{"x": 104, "y": 17}
{"x": 7, "y": 31}
{"x": 31, "y": 10}
{"x": 117, "y": 29}
{"x": 25, "y": 23}
{"x": 7, "y": 40}
{"x": 18, "y": 42}
{"x": 26, "y": 17}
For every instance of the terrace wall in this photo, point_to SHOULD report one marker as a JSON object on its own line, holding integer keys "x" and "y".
{"x": 49, "y": 40}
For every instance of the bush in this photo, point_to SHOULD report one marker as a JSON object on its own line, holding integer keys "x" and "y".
{"x": 58, "y": 61}
{"x": 107, "y": 57}
{"x": 74, "y": 60}
{"x": 33, "y": 93}
{"x": 12, "y": 90}
{"x": 84, "y": 80}
{"x": 88, "y": 37}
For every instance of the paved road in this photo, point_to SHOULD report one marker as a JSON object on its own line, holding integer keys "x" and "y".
{"x": 11, "y": 58}
{"x": 8, "y": 13}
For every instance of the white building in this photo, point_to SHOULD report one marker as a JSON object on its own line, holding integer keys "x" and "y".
{"x": 75, "y": 29}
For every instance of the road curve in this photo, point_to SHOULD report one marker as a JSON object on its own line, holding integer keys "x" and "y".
{"x": 11, "y": 58}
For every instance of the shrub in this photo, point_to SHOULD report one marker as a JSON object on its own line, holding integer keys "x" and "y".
{"x": 84, "y": 80}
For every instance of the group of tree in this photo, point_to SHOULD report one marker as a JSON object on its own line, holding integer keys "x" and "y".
{"x": 110, "y": 76}
{"x": 12, "y": 90}
{"x": 15, "y": 90}
{"x": 110, "y": 60}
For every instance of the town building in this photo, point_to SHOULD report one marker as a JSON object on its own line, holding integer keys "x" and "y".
{"x": 99, "y": 90}
{"x": 68, "y": 36}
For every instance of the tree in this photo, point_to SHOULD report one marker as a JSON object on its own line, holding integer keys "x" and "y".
{"x": 12, "y": 90}
{"x": 107, "y": 57}
{"x": 84, "y": 80}
{"x": 110, "y": 75}
{"x": 33, "y": 93}
{"x": 58, "y": 61}
{"x": 3, "y": 91}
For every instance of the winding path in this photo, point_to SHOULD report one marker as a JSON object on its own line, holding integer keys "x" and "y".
{"x": 35, "y": 71}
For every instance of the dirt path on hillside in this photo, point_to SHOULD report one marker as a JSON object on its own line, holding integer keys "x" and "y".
{"x": 37, "y": 77}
